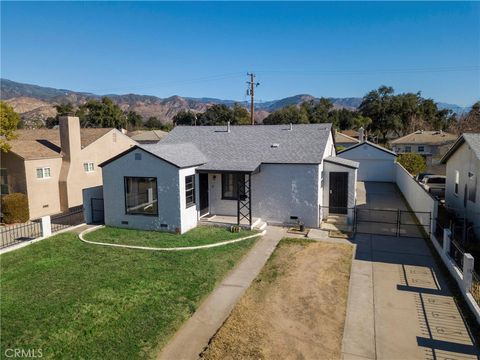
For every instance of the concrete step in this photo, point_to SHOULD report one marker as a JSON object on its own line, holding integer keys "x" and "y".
{"x": 337, "y": 219}
{"x": 261, "y": 226}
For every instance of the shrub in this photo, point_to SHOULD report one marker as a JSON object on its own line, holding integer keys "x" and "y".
{"x": 414, "y": 163}
{"x": 340, "y": 147}
{"x": 15, "y": 208}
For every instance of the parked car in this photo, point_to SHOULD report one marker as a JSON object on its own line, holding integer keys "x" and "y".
{"x": 434, "y": 184}
{"x": 420, "y": 176}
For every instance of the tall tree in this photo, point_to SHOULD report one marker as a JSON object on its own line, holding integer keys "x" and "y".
{"x": 104, "y": 113}
{"x": 134, "y": 120}
{"x": 240, "y": 115}
{"x": 153, "y": 123}
{"x": 184, "y": 117}
{"x": 9, "y": 120}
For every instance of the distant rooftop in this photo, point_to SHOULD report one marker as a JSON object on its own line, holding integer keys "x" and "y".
{"x": 147, "y": 136}
{"x": 426, "y": 137}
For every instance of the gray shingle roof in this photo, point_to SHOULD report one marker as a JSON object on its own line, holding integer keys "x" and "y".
{"x": 472, "y": 139}
{"x": 181, "y": 155}
{"x": 244, "y": 147}
{"x": 342, "y": 161}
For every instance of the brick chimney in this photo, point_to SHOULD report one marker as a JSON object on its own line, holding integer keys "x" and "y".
{"x": 70, "y": 144}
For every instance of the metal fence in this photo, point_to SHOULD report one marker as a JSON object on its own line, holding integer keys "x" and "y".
{"x": 13, "y": 234}
{"x": 456, "y": 253}
{"x": 71, "y": 218}
{"x": 16, "y": 233}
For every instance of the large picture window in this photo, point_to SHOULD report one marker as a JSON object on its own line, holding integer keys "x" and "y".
{"x": 141, "y": 196}
{"x": 230, "y": 188}
{"x": 190, "y": 190}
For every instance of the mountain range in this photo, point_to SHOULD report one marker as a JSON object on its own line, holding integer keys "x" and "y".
{"x": 35, "y": 102}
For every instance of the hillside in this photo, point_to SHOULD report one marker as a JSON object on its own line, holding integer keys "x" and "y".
{"x": 35, "y": 102}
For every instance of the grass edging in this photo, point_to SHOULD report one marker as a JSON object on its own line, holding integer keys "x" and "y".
{"x": 183, "y": 248}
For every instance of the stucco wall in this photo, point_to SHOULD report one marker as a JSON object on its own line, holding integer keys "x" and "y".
{"x": 375, "y": 164}
{"x": 168, "y": 194}
{"x": 42, "y": 194}
{"x": 464, "y": 161}
{"x": 416, "y": 196}
{"x": 97, "y": 152}
{"x": 284, "y": 190}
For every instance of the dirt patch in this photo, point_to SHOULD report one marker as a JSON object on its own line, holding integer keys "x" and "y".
{"x": 295, "y": 309}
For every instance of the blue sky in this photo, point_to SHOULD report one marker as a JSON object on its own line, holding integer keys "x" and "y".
{"x": 205, "y": 49}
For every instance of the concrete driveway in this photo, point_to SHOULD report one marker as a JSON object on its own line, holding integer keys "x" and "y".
{"x": 400, "y": 306}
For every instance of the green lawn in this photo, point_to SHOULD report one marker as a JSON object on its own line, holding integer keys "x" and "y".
{"x": 75, "y": 300}
{"x": 200, "y": 235}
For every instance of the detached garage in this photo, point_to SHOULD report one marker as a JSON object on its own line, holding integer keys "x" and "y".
{"x": 376, "y": 162}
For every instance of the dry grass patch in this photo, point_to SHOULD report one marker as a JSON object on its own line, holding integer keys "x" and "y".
{"x": 294, "y": 309}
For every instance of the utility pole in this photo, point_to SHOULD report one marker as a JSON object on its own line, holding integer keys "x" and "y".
{"x": 251, "y": 92}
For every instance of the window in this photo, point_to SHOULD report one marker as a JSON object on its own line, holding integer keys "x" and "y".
{"x": 190, "y": 190}
{"x": 408, "y": 149}
{"x": 421, "y": 148}
{"x": 43, "y": 173}
{"x": 472, "y": 187}
{"x": 88, "y": 167}
{"x": 230, "y": 188}
{"x": 457, "y": 181}
{"x": 141, "y": 196}
{"x": 3, "y": 182}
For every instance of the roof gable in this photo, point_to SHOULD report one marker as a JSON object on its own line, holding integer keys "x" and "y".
{"x": 378, "y": 147}
{"x": 472, "y": 139}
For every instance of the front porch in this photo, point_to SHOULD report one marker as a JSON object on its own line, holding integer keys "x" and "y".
{"x": 227, "y": 221}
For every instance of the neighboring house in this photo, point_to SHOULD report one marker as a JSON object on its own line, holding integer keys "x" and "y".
{"x": 462, "y": 192}
{"x": 375, "y": 162}
{"x": 147, "y": 136}
{"x": 278, "y": 173}
{"x": 429, "y": 144}
{"x": 344, "y": 141}
{"x": 52, "y": 166}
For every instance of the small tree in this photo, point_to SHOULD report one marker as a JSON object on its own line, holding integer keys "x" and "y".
{"x": 153, "y": 123}
{"x": 413, "y": 163}
{"x": 15, "y": 208}
{"x": 9, "y": 120}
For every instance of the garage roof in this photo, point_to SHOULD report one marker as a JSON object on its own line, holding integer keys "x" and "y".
{"x": 378, "y": 147}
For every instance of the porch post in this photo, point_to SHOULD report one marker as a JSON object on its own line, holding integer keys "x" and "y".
{"x": 250, "y": 198}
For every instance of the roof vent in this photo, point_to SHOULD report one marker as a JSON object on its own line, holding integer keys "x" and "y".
{"x": 228, "y": 126}
{"x": 275, "y": 145}
{"x": 291, "y": 126}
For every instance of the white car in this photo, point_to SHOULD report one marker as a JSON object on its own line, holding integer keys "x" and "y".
{"x": 434, "y": 184}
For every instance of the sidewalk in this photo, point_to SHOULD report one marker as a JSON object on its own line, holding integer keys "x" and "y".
{"x": 194, "y": 335}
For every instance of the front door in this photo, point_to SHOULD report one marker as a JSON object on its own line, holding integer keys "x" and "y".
{"x": 203, "y": 179}
{"x": 338, "y": 198}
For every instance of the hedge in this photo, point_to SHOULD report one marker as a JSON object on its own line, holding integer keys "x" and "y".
{"x": 15, "y": 208}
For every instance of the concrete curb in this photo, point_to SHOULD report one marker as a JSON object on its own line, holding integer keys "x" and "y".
{"x": 29, "y": 242}
{"x": 163, "y": 249}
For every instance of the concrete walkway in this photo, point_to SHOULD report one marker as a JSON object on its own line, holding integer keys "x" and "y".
{"x": 400, "y": 306}
{"x": 194, "y": 335}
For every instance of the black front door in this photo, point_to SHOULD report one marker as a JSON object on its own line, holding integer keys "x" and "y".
{"x": 203, "y": 194}
{"x": 338, "y": 199}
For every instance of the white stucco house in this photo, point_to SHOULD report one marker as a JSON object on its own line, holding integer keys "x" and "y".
{"x": 462, "y": 192}
{"x": 375, "y": 162}
{"x": 276, "y": 173}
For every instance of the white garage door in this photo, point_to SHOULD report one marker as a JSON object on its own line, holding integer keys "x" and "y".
{"x": 375, "y": 170}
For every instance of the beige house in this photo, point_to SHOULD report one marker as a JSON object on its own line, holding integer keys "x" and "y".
{"x": 53, "y": 166}
{"x": 430, "y": 144}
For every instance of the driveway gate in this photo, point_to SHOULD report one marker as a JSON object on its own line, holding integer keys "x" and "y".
{"x": 392, "y": 222}
{"x": 97, "y": 210}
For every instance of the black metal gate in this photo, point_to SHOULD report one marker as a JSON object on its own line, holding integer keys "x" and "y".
{"x": 391, "y": 222}
{"x": 97, "y": 210}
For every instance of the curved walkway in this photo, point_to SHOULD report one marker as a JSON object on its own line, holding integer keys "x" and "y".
{"x": 86, "y": 231}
